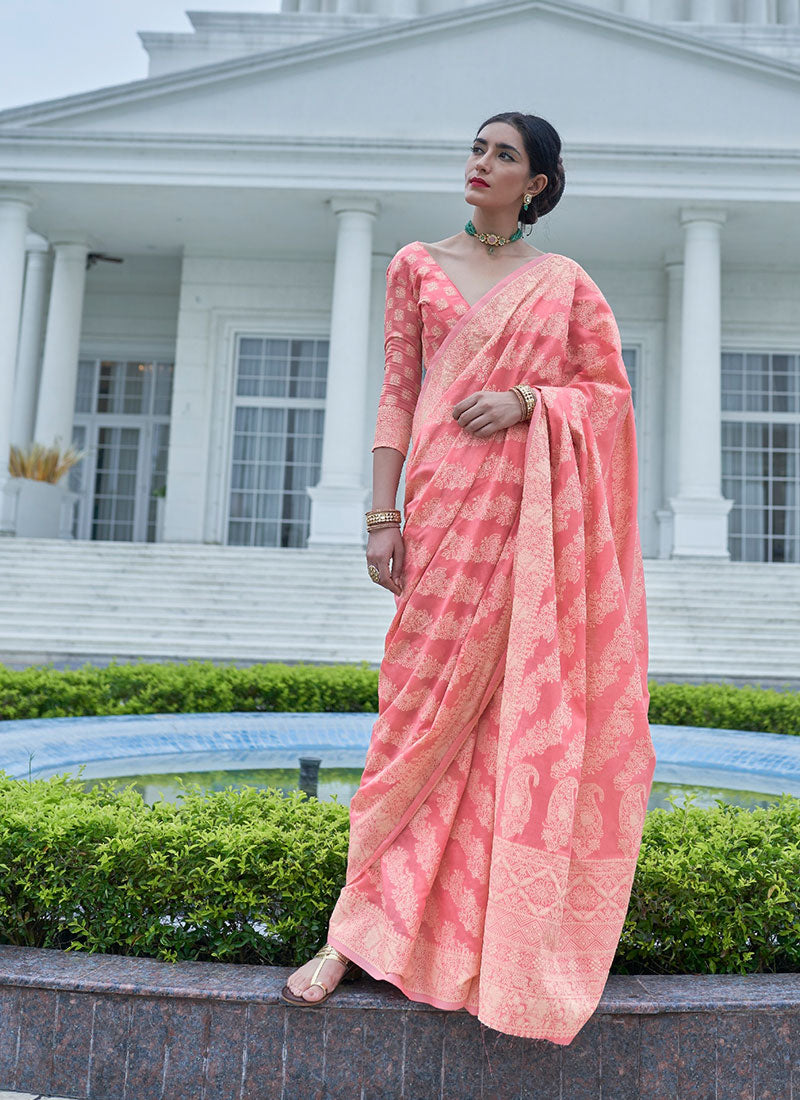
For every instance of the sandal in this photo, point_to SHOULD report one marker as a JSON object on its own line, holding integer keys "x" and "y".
{"x": 352, "y": 971}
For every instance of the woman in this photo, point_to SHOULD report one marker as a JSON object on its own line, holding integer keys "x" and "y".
{"x": 495, "y": 832}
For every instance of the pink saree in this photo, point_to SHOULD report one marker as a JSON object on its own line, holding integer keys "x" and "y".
{"x": 495, "y": 833}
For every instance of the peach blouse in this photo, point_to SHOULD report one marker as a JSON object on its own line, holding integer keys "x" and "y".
{"x": 422, "y": 305}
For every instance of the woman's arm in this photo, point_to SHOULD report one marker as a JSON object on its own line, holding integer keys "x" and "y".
{"x": 387, "y": 465}
{"x": 399, "y": 393}
{"x": 385, "y": 548}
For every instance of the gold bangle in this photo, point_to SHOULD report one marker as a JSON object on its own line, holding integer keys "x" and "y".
{"x": 379, "y": 515}
{"x": 528, "y": 394}
{"x": 523, "y": 406}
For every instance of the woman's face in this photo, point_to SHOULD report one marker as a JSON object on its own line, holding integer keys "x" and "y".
{"x": 498, "y": 158}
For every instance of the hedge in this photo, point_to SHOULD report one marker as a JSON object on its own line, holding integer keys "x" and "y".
{"x": 252, "y": 876}
{"x": 142, "y": 688}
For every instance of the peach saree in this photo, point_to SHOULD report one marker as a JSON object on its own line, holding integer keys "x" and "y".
{"x": 495, "y": 832}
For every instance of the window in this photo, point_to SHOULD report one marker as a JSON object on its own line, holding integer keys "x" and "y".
{"x": 278, "y": 417}
{"x": 122, "y": 412}
{"x": 761, "y": 454}
{"x": 630, "y": 357}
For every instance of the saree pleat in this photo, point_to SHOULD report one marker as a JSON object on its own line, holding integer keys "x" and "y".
{"x": 495, "y": 832}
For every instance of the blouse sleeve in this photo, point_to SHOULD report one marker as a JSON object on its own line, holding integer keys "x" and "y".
{"x": 403, "y": 358}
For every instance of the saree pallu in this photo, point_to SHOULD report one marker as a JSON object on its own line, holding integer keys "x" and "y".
{"x": 495, "y": 833}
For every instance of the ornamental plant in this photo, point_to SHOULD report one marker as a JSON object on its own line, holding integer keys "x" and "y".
{"x": 252, "y": 876}
{"x": 39, "y": 463}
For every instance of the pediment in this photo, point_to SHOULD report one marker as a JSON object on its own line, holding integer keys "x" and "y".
{"x": 599, "y": 78}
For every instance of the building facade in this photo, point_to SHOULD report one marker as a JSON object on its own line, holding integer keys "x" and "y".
{"x": 194, "y": 263}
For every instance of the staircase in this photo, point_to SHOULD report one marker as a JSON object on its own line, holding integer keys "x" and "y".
{"x": 73, "y": 601}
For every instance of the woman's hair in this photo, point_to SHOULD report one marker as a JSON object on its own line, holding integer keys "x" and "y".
{"x": 543, "y": 146}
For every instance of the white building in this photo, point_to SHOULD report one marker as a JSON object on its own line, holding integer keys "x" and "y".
{"x": 194, "y": 263}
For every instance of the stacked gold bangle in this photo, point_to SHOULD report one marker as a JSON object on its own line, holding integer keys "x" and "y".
{"x": 526, "y": 396}
{"x": 378, "y": 518}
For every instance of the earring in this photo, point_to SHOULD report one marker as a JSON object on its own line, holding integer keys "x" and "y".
{"x": 526, "y": 201}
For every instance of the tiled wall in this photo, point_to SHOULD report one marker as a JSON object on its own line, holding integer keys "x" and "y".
{"x": 114, "y": 1028}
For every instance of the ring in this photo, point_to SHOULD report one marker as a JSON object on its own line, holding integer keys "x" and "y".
{"x": 374, "y": 572}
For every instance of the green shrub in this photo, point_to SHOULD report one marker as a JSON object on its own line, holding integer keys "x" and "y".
{"x": 724, "y": 706}
{"x": 252, "y": 876}
{"x": 194, "y": 687}
{"x": 203, "y": 687}
{"x": 716, "y": 891}
{"x": 238, "y": 876}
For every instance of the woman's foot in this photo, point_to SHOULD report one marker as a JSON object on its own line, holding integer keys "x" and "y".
{"x": 329, "y": 975}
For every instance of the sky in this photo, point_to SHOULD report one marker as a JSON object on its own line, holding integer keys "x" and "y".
{"x": 53, "y": 48}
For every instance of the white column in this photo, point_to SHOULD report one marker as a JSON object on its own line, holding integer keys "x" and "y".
{"x": 756, "y": 11}
{"x": 59, "y": 379}
{"x": 703, "y": 11}
{"x": 339, "y": 498}
{"x": 14, "y": 206}
{"x": 637, "y": 9}
{"x": 699, "y": 509}
{"x": 670, "y": 402}
{"x": 30, "y": 340}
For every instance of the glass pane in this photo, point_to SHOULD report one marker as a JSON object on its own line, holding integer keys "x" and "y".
{"x": 115, "y": 483}
{"x": 84, "y": 393}
{"x": 136, "y": 383}
{"x": 162, "y": 395}
{"x": 760, "y": 465}
{"x": 276, "y": 448}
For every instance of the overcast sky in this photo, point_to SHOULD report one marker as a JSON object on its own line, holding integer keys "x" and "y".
{"x": 52, "y": 48}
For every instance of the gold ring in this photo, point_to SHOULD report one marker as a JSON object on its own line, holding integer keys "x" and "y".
{"x": 374, "y": 572}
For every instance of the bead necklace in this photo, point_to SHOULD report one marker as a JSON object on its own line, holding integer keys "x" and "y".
{"x": 492, "y": 239}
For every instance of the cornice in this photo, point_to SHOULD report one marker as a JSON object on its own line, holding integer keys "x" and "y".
{"x": 438, "y": 148}
{"x": 384, "y": 166}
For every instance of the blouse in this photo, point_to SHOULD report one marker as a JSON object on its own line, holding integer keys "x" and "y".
{"x": 422, "y": 305}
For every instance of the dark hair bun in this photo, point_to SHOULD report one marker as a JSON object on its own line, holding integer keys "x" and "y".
{"x": 543, "y": 147}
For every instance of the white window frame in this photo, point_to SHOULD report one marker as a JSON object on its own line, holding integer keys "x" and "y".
{"x": 226, "y": 328}
{"x": 752, "y": 345}
{"x": 119, "y": 352}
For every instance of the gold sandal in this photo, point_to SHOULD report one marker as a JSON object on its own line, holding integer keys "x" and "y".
{"x": 352, "y": 971}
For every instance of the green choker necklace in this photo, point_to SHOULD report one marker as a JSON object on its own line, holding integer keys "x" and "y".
{"x": 492, "y": 239}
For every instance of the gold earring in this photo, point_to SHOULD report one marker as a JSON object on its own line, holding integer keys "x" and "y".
{"x": 527, "y": 201}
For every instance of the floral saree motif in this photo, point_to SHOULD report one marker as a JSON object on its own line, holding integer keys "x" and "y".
{"x": 495, "y": 832}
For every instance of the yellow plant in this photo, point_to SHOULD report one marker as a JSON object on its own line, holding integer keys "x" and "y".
{"x": 40, "y": 463}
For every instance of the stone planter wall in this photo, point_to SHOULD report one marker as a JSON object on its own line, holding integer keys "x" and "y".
{"x": 40, "y": 509}
{"x": 116, "y": 1028}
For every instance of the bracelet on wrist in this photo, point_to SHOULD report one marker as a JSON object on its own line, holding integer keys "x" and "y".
{"x": 527, "y": 395}
{"x": 521, "y": 403}
{"x": 376, "y": 517}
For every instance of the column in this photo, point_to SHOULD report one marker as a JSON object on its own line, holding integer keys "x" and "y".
{"x": 339, "y": 500}
{"x": 59, "y": 379}
{"x": 703, "y": 11}
{"x": 14, "y": 206}
{"x": 637, "y": 9}
{"x": 30, "y": 341}
{"x": 756, "y": 11}
{"x": 700, "y": 511}
{"x": 670, "y": 402}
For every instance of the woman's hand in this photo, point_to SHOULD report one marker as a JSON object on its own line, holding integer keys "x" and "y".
{"x": 383, "y": 544}
{"x": 487, "y": 411}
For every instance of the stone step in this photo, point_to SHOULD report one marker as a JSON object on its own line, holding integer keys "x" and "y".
{"x": 172, "y": 601}
{"x": 214, "y": 640}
